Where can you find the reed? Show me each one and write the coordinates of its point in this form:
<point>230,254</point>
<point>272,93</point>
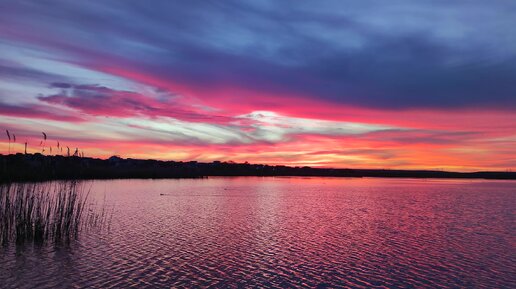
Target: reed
<point>9,137</point>
<point>39,212</point>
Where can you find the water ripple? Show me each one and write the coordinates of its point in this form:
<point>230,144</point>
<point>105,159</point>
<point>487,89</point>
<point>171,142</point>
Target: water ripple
<point>285,233</point>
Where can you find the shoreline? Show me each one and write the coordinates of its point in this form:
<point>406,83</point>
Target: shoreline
<point>38,167</point>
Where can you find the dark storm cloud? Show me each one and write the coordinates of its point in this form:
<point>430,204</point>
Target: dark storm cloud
<point>383,54</point>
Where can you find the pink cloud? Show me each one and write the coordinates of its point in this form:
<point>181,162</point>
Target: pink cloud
<point>39,112</point>
<point>99,100</point>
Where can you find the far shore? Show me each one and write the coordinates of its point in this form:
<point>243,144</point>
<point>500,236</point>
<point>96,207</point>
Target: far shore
<point>38,167</point>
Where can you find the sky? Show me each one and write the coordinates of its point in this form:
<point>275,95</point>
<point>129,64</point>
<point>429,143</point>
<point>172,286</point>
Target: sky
<point>346,84</point>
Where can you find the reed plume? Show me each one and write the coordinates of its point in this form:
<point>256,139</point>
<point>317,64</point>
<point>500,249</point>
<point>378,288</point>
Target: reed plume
<point>9,137</point>
<point>43,142</point>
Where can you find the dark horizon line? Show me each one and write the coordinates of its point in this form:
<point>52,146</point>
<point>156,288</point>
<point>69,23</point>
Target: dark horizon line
<point>254,164</point>
<point>27,167</point>
<point>311,167</point>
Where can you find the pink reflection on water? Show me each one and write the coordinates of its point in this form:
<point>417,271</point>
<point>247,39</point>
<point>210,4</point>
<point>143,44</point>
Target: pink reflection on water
<point>282,232</point>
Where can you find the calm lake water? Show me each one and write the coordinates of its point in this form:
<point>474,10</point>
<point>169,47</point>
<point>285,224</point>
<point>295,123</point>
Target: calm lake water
<point>283,233</point>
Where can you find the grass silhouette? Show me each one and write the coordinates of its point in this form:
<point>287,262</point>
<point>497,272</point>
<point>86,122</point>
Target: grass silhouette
<point>40,212</point>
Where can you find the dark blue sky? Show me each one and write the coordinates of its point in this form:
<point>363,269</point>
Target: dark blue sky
<point>388,54</point>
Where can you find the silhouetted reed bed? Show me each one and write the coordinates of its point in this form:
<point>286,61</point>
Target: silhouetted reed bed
<point>52,211</point>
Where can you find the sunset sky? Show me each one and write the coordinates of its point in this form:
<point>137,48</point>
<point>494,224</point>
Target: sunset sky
<point>359,84</point>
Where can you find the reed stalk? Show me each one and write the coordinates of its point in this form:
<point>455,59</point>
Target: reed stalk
<point>41,212</point>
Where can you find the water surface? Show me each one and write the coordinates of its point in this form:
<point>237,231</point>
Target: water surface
<point>285,232</point>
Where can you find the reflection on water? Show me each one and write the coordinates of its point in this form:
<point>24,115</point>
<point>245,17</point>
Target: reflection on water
<point>285,232</point>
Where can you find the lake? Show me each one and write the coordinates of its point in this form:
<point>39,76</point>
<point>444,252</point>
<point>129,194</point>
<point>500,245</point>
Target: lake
<point>284,233</point>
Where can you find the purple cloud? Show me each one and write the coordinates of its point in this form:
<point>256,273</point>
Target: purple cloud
<point>365,57</point>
